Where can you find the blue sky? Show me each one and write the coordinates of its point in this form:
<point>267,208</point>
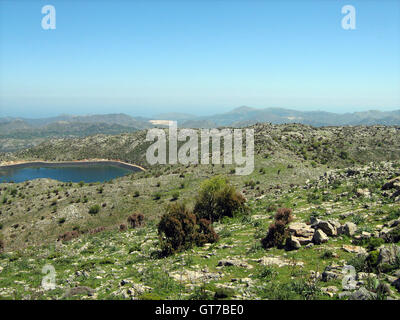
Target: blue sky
<point>199,57</point>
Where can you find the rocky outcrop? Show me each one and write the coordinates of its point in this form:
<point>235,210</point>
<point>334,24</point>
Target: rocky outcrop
<point>389,255</point>
<point>349,229</point>
<point>320,237</point>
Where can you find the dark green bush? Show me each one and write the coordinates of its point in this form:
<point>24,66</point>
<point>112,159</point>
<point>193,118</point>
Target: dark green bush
<point>206,233</point>
<point>217,198</point>
<point>276,236</point>
<point>94,209</point>
<point>179,229</point>
<point>278,231</point>
<point>375,243</point>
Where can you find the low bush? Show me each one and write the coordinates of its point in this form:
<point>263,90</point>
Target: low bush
<point>278,230</point>
<point>67,236</point>
<point>97,230</point>
<point>206,233</point>
<point>136,220</point>
<point>179,229</point>
<point>217,198</point>
<point>94,209</point>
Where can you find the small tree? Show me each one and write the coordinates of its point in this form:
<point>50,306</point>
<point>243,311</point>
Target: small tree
<point>217,198</point>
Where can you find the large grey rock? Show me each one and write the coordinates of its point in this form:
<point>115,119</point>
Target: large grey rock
<point>326,227</point>
<point>80,290</point>
<point>320,237</point>
<point>335,223</point>
<point>349,229</point>
<point>332,272</point>
<point>301,232</point>
<point>389,254</point>
<point>300,229</point>
<point>292,243</point>
<point>363,294</point>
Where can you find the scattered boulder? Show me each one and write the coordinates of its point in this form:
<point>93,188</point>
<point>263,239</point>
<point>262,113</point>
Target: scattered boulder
<point>300,229</point>
<point>277,261</point>
<point>388,255</point>
<point>81,290</point>
<point>349,229</point>
<point>363,294</point>
<point>354,249</point>
<point>326,227</point>
<point>292,243</point>
<point>320,237</point>
<point>301,233</point>
<point>332,272</point>
<point>363,193</point>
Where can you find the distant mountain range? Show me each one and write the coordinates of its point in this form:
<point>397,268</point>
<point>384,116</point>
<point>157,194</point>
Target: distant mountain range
<point>244,116</point>
<point>21,133</point>
<point>69,125</point>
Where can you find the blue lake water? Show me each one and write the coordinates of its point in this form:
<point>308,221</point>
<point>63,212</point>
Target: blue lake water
<point>74,173</point>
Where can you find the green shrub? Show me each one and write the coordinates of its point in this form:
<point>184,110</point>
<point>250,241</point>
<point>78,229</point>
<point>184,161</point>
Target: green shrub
<point>278,231</point>
<point>217,199</point>
<point>94,209</point>
<point>205,233</point>
<point>374,243</point>
<point>1,245</point>
<point>179,229</point>
<point>276,236</point>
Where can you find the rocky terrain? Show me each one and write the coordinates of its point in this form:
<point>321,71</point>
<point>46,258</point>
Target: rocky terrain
<point>342,184</point>
<point>22,133</point>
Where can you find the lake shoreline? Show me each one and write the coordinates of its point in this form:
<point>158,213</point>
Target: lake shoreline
<point>88,162</point>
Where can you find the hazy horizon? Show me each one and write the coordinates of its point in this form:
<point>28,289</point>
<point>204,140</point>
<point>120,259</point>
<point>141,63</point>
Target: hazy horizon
<point>152,115</point>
